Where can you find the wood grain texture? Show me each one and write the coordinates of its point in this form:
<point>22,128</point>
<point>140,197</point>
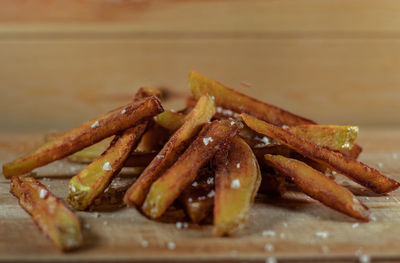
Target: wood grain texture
<point>118,236</point>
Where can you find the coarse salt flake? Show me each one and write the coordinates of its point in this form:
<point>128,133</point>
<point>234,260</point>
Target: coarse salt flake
<point>211,194</point>
<point>269,247</point>
<point>235,184</point>
<point>322,234</point>
<point>123,111</point>
<point>42,193</point>
<point>179,225</point>
<point>238,165</point>
<point>355,225</point>
<point>160,156</point>
<point>144,243</point>
<point>207,140</point>
<point>95,124</point>
<point>210,180</point>
<point>171,245</point>
<point>107,166</point>
<point>270,260</point>
<point>268,233</point>
<point>364,258</point>
<point>194,184</point>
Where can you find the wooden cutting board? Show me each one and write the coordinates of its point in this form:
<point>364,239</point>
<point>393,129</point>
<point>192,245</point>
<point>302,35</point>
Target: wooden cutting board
<point>304,229</point>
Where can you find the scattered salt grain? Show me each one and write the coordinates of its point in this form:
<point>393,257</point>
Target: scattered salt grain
<point>179,225</point>
<point>395,156</point>
<point>210,180</point>
<point>282,235</point>
<point>322,234</point>
<point>269,247</point>
<point>232,123</point>
<point>270,260</point>
<point>364,258</point>
<point>190,200</point>
<point>285,126</point>
<point>105,223</point>
<point>87,226</point>
<point>372,217</point>
<point>42,193</point>
<point>355,225</point>
<point>194,184</point>
<point>123,111</point>
<point>171,245</point>
<point>235,184</point>
<point>211,194</point>
<point>245,84</point>
<point>73,189</point>
<point>380,165</point>
<point>185,224</point>
<point>107,166</point>
<point>144,243</point>
<point>285,225</point>
<point>160,156</point>
<point>268,233</point>
<point>238,165</point>
<point>207,140</point>
<point>201,198</point>
<point>95,124</point>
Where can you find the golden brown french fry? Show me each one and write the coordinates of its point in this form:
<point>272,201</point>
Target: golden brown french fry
<point>171,151</point>
<point>333,137</point>
<point>145,92</point>
<point>170,120</point>
<point>238,178</point>
<point>91,153</point>
<point>49,213</point>
<point>353,153</point>
<point>198,198</point>
<point>319,187</point>
<point>183,172</point>
<point>87,185</point>
<point>85,135</point>
<point>357,171</point>
<point>153,139</point>
<point>233,100</point>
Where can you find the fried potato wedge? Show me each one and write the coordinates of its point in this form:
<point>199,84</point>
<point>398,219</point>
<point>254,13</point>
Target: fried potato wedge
<point>91,182</point>
<point>201,114</point>
<point>319,187</point>
<point>237,179</point>
<point>170,120</point>
<point>91,153</point>
<point>198,198</point>
<point>333,137</point>
<point>85,135</point>
<point>170,185</point>
<point>233,100</point>
<point>48,212</point>
<point>357,171</point>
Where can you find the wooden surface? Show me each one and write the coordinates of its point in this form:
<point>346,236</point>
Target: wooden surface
<point>333,61</point>
<point>118,235</point>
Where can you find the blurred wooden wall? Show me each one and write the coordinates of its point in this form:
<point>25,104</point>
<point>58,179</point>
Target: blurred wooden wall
<point>64,61</point>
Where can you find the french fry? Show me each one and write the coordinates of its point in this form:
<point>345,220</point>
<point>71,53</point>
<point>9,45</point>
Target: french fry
<point>198,198</point>
<point>170,185</point>
<point>233,100</point>
<point>146,92</point>
<point>170,120</point>
<point>237,179</point>
<point>85,135</point>
<point>153,139</point>
<point>87,185</point>
<point>333,137</point>
<point>201,113</point>
<point>139,159</point>
<point>319,187</point>
<point>353,153</point>
<point>357,171</point>
<point>272,184</point>
<point>49,213</point>
<point>91,153</point>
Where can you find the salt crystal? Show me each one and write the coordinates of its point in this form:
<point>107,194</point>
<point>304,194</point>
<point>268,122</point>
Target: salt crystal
<point>232,123</point>
<point>282,235</point>
<point>105,223</point>
<point>268,233</point>
<point>42,193</point>
<point>87,226</point>
<point>210,180</point>
<point>334,173</point>
<point>380,165</point>
<point>160,156</point>
<point>213,98</point>
<point>364,258</point>
<point>195,205</point>
<point>211,194</point>
<point>95,124</point>
<point>201,198</point>
<point>395,156</point>
<point>285,225</point>
<point>73,189</point>
<point>190,200</point>
<point>235,184</point>
<point>194,184</point>
<point>206,141</point>
<point>144,243</point>
<point>123,111</point>
<point>285,126</point>
<point>238,165</point>
<point>269,247</point>
<point>270,260</point>
<point>372,217</point>
<point>185,224</point>
<point>322,234</point>
<point>107,166</point>
<point>171,245</point>
<point>179,225</point>
<point>355,225</point>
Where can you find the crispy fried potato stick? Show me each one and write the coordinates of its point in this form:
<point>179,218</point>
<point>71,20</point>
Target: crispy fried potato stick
<point>357,171</point>
<point>237,179</point>
<point>333,137</point>
<point>91,153</point>
<point>171,151</point>
<point>183,172</point>
<point>233,100</point>
<point>85,135</point>
<point>145,92</point>
<point>319,187</point>
<point>353,153</point>
<point>87,185</point>
<point>49,213</point>
<point>198,198</point>
<point>153,139</point>
<point>170,120</point>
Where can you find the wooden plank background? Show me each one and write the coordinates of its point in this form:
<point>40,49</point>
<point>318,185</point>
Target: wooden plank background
<point>62,62</point>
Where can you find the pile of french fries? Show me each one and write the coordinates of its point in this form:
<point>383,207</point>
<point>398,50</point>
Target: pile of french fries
<point>211,159</point>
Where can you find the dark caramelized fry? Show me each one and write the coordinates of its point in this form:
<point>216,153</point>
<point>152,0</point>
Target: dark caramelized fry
<point>183,172</point>
<point>49,213</point>
<point>357,171</point>
<point>85,135</point>
<point>319,187</point>
<point>86,186</point>
<point>171,151</point>
<point>233,100</point>
<point>238,178</point>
